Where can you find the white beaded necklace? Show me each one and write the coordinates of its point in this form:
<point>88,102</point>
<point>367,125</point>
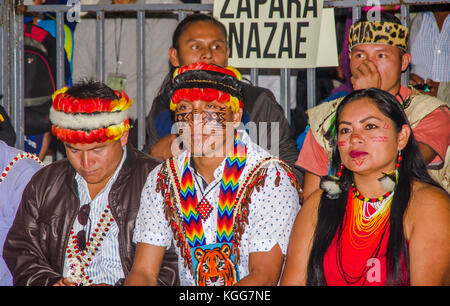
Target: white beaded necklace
<point>16,159</point>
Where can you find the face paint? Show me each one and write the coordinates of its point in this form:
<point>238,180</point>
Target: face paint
<point>379,138</point>
<point>203,126</point>
<point>386,126</point>
<point>341,143</point>
<point>355,135</point>
<point>183,117</point>
<point>215,119</point>
<point>359,162</point>
<point>182,122</point>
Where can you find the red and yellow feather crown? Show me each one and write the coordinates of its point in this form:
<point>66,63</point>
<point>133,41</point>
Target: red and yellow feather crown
<point>207,82</point>
<point>77,120</point>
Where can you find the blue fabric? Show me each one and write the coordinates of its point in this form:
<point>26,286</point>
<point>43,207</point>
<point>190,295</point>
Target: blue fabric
<point>163,123</point>
<point>33,143</point>
<point>301,138</point>
<point>336,95</point>
<point>11,189</point>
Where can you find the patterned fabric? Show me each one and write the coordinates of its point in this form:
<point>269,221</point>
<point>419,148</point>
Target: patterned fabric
<point>234,165</point>
<point>106,267</point>
<point>192,220</point>
<point>271,212</point>
<point>387,33</point>
<point>192,216</point>
<point>430,49</point>
<point>194,212</point>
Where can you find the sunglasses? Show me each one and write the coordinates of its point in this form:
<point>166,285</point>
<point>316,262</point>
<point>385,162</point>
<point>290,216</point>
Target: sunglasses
<point>83,218</point>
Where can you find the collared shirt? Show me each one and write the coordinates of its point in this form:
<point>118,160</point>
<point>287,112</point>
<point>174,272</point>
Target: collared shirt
<point>272,212</point>
<point>106,267</point>
<point>430,49</point>
<point>11,190</point>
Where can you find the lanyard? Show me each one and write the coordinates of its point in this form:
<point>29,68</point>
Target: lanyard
<point>117,42</point>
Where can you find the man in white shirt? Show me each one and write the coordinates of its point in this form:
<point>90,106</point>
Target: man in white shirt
<point>429,48</point>
<point>228,205</point>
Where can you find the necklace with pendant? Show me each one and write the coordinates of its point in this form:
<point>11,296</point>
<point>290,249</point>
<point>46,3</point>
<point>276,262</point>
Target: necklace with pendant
<point>204,208</point>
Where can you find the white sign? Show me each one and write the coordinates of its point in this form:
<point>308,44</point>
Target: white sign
<point>271,33</point>
<point>327,55</point>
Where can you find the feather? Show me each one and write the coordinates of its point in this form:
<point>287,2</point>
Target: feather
<point>388,180</point>
<point>331,188</point>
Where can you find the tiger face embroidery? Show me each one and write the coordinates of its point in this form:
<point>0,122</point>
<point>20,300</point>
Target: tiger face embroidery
<point>215,267</point>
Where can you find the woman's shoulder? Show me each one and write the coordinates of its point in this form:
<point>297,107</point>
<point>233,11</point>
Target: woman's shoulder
<point>429,207</point>
<point>426,194</point>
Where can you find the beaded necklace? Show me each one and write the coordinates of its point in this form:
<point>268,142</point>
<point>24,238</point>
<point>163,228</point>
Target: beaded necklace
<point>15,160</point>
<point>80,259</point>
<point>371,206</point>
<point>234,165</point>
<point>193,212</point>
<point>367,220</point>
<point>168,184</point>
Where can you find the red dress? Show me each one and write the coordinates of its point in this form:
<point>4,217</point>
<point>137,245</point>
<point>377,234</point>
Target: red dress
<point>358,257</point>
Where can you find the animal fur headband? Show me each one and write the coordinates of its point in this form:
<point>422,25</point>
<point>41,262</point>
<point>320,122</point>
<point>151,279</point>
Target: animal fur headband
<point>206,82</point>
<point>89,120</point>
<point>386,33</point>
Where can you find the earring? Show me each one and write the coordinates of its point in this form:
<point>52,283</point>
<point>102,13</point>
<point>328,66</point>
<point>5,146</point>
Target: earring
<point>390,179</point>
<point>399,159</point>
<point>331,184</point>
<point>339,173</point>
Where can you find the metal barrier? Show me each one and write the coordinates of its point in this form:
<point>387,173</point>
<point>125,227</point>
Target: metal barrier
<point>12,44</point>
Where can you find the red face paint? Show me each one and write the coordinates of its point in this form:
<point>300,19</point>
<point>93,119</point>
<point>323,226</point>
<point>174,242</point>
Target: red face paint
<point>386,126</point>
<point>341,143</point>
<point>359,162</point>
<point>355,135</point>
<point>379,138</point>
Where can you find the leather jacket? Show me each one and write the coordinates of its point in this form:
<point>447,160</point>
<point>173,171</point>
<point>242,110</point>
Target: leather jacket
<point>36,243</point>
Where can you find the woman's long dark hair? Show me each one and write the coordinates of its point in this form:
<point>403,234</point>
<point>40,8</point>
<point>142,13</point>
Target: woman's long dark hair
<point>331,212</point>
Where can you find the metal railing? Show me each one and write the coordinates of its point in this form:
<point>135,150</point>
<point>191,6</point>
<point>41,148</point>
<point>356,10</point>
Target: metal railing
<point>12,54</point>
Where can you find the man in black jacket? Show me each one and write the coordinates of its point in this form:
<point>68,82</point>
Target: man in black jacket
<point>76,219</point>
<point>201,38</point>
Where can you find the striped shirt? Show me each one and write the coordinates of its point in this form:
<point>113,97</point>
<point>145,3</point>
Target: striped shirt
<point>106,267</point>
<point>430,49</point>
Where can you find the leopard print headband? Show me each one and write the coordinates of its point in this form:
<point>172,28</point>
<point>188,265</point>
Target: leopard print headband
<point>387,33</point>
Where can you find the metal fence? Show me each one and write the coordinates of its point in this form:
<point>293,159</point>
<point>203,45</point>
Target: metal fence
<point>12,50</point>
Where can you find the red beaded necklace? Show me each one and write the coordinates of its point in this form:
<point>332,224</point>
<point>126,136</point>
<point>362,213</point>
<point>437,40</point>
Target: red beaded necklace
<point>80,259</point>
